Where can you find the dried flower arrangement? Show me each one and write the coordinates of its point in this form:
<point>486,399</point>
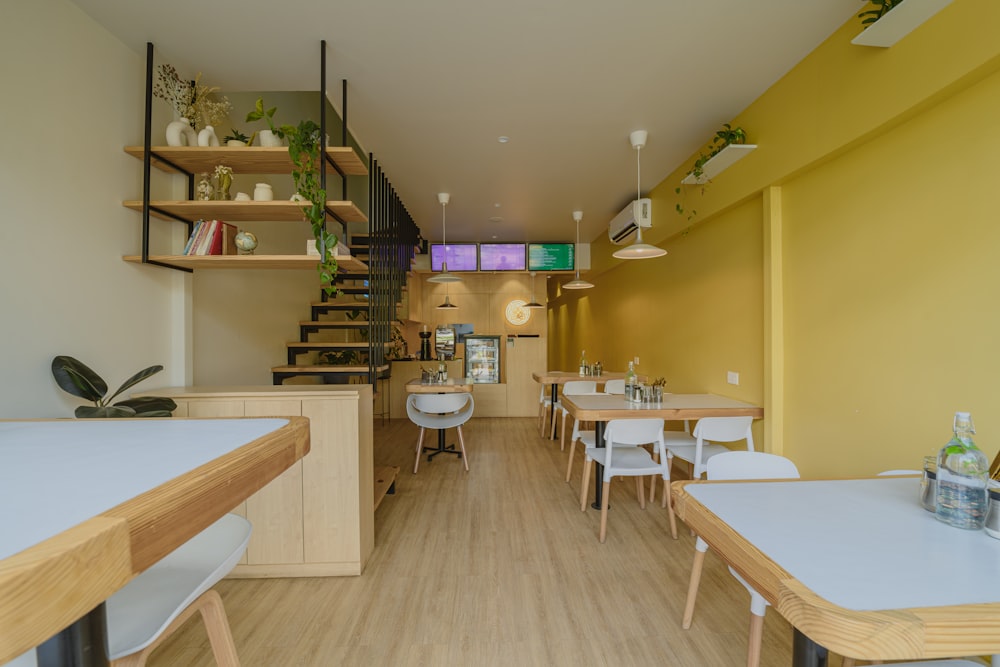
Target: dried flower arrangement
<point>191,99</point>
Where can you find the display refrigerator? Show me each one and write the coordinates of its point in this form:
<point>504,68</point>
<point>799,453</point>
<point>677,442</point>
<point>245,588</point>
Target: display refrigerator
<point>482,359</point>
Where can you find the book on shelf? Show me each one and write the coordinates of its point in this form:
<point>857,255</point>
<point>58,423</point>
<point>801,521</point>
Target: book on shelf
<point>195,230</point>
<point>211,237</point>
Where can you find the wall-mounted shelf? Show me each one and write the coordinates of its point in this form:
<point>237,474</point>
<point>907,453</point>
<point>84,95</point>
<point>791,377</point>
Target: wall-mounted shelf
<point>243,211</point>
<point>721,161</point>
<point>899,22</point>
<point>245,160</point>
<point>248,261</point>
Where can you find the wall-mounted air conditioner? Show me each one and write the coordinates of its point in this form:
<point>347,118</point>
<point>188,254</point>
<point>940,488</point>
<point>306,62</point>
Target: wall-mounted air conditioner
<point>639,212</point>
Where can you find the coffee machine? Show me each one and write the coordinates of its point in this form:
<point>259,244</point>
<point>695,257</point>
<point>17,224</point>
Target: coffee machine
<point>425,345</point>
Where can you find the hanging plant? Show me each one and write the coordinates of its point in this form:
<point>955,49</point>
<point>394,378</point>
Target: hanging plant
<point>304,146</point>
<point>879,8</point>
<point>728,135</point>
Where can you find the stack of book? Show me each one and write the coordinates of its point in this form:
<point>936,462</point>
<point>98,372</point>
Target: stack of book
<point>211,237</point>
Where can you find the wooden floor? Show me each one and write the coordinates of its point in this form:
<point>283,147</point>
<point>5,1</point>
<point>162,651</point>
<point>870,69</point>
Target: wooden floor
<point>496,566</point>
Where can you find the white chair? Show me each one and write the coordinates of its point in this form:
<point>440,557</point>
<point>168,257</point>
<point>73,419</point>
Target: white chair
<point>159,601</point>
<point>573,388</point>
<point>739,465</point>
<point>440,411</point>
<point>614,387</point>
<point>701,447</point>
<point>622,456</point>
<point>544,403</point>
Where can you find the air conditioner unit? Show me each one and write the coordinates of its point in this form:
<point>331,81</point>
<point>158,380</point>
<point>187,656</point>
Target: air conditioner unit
<point>624,225</point>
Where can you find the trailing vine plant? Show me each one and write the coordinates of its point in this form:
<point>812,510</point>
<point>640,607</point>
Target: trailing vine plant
<point>724,137</point>
<point>305,144</point>
<point>879,9</point>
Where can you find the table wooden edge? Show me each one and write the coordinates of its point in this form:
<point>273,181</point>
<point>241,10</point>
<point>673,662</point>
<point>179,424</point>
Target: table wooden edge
<point>50,585</point>
<point>675,414</point>
<point>418,387</point>
<point>926,632</point>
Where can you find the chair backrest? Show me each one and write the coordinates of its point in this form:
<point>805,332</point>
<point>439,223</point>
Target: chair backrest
<point>439,404</point>
<point>576,387</point>
<point>725,429</point>
<point>440,410</point>
<point>750,465</point>
<point>633,432</point>
<point>614,387</point>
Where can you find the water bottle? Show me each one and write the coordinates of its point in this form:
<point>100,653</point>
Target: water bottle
<point>630,384</point>
<point>583,362</point>
<point>962,474</point>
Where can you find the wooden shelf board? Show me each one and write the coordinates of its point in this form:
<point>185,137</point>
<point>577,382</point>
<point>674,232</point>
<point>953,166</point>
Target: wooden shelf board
<point>331,324</point>
<point>321,345</point>
<point>244,261</point>
<point>354,370</point>
<point>243,211</point>
<point>899,22</point>
<point>248,160</point>
<point>721,161</point>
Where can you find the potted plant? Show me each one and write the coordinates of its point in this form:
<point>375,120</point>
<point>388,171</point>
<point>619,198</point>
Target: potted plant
<point>879,9</point>
<point>237,138</point>
<point>273,135</point>
<point>727,136</point>
<point>76,378</point>
<point>304,147</point>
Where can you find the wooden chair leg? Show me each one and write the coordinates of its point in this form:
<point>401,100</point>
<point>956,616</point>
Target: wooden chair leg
<point>420,450</point>
<point>562,433</point>
<point>585,484</point>
<point>652,482</point>
<point>461,442</point>
<point>640,492</point>
<point>213,614</point>
<point>604,510</point>
<point>668,502</point>
<point>699,561</point>
<point>754,638</point>
<point>569,464</point>
<point>541,418</point>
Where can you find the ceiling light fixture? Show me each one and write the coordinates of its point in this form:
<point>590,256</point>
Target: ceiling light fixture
<point>447,305</point>
<point>444,276</point>
<point>639,250</point>
<point>533,303</point>
<point>503,139</point>
<point>577,283</point>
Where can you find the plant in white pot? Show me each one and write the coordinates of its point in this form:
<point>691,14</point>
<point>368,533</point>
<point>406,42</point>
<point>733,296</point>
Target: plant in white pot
<point>272,136</point>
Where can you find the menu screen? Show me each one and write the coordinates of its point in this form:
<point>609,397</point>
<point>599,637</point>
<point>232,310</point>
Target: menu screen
<point>550,256</point>
<point>501,257</point>
<point>460,256</point>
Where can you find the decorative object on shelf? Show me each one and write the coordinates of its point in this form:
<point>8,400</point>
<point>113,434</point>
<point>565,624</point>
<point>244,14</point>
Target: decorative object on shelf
<point>516,312</point>
<point>304,147</point>
<point>576,283</point>
<point>272,136</point>
<point>241,196</point>
<point>297,197</point>
<point>444,276</point>
<point>638,250</point>
<point>180,133</point>
<point>76,378</point>
<point>727,147</point>
<point>263,192</point>
<point>223,181</point>
<point>246,242</point>
<point>204,190</point>
<point>191,99</point>
<point>885,28</point>
<point>236,139</point>
<point>207,137</point>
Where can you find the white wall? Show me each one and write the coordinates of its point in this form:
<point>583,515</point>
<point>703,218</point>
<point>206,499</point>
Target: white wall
<point>72,99</point>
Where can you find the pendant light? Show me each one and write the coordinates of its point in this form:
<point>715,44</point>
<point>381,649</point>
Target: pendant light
<point>577,283</point>
<point>639,250</point>
<point>533,303</point>
<point>444,276</point>
<point>447,305</point>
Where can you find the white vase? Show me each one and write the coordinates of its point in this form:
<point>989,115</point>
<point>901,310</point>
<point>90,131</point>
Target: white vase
<point>180,133</point>
<point>269,140</point>
<point>207,137</point>
<point>263,192</point>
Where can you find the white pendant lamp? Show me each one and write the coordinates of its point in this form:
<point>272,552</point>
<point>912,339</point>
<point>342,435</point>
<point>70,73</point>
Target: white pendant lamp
<point>533,303</point>
<point>577,283</point>
<point>444,276</point>
<point>639,250</point>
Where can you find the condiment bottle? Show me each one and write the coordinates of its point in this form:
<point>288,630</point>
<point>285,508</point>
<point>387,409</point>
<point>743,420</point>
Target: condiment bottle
<point>630,384</point>
<point>962,473</point>
<point>583,362</point>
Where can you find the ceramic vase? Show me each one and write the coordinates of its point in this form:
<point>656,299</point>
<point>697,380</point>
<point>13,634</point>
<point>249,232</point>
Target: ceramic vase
<point>207,137</point>
<point>180,133</point>
<point>263,192</point>
<point>222,191</point>
<point>269,139</point>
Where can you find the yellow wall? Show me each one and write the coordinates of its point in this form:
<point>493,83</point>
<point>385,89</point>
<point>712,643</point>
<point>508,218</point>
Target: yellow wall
<point>853,251</point>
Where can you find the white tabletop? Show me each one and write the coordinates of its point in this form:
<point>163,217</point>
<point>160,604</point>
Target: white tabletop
<point>861,544</point>
<point>57,474</point>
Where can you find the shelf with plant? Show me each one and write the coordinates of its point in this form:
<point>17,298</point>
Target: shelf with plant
<point>888,21</point>
<point>727,147</point>
<point>244,159</point>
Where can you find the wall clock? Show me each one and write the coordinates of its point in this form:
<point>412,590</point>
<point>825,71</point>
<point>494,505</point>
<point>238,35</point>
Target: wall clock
<point>516,313</point>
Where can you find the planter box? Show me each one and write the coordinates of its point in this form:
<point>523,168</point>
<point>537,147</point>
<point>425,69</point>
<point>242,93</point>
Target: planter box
<point>899,22</point>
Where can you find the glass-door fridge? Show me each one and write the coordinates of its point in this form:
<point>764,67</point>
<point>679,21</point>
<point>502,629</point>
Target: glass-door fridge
<point>482,359</point>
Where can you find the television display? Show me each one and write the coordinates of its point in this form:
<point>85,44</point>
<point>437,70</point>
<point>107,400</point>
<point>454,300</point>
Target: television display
<point>460,256</point>
<point>501,257</point>
<point>550,256</point>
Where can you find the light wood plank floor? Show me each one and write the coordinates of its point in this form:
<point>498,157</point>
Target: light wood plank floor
<point>496,566</point>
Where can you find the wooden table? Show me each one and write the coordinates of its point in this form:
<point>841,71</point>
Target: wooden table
<point>556,378</point>
<point>856,566</point>
<point>449,386</point>
<point>601,408</point>
<point>89,504</point>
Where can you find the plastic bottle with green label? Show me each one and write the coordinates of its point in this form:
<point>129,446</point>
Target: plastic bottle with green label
<point>962,474</point>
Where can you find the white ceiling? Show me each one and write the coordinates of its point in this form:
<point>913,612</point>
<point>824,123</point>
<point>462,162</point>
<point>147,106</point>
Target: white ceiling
<point>432,84</point>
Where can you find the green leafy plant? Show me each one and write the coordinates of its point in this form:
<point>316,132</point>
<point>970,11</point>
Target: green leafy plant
<point>726,136</point>
<point>78,379</point>
<point>879,8</point>
<point>304,146</point>
<point>236,135</point>
<point>259,113</point>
